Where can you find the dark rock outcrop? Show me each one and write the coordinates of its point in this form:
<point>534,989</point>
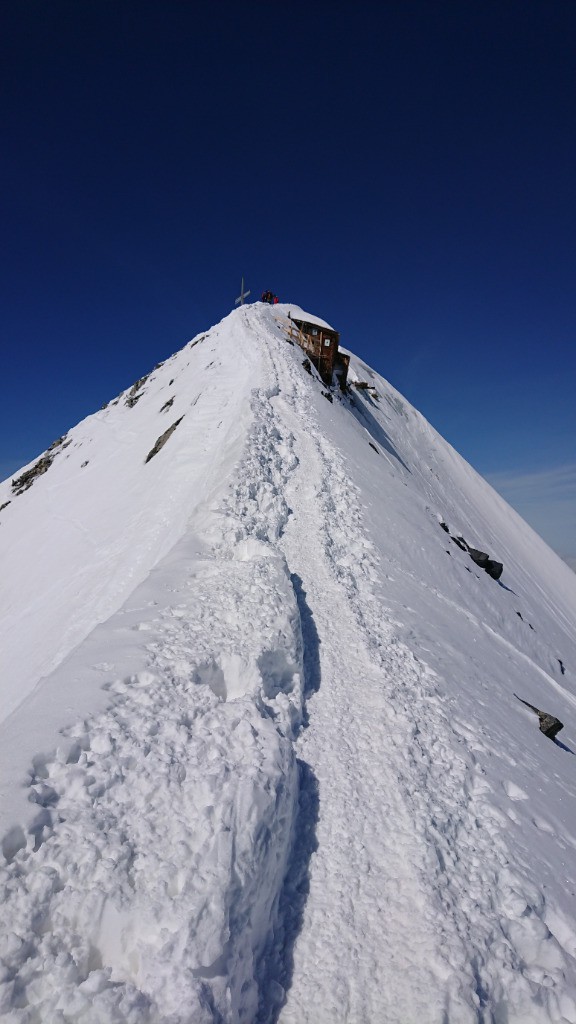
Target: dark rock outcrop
<point>133,394</point>
<point>23,482</point>
<point>162,440</point>
<point>480,558</point>
<point>549,725</point>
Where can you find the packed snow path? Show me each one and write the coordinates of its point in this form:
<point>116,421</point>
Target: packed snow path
<point>291,807</point>
<point>406,803</point>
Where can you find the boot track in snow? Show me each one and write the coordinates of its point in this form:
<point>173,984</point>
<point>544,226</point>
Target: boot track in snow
<point>281,816</point>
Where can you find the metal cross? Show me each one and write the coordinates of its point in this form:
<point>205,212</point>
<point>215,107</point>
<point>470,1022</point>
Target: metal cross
<point>243,295</point>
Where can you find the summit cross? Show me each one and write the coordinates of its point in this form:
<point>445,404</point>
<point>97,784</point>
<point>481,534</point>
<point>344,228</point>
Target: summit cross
<point>243,295</point>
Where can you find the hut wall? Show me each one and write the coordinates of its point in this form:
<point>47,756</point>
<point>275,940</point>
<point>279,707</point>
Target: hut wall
<point>321,344</point>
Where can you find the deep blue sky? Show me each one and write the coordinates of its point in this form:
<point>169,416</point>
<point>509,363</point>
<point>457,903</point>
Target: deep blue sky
<point>406,170</point>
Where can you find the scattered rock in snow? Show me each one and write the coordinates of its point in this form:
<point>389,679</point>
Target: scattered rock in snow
<point>162,440</point>
<point>84,463</point>
<point>549,725</point>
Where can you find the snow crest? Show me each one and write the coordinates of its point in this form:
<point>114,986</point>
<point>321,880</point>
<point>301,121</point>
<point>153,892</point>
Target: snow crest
<point>295,786</point>
<point>149,882</point>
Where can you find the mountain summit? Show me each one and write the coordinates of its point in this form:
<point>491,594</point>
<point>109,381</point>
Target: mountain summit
<point>262,754</point>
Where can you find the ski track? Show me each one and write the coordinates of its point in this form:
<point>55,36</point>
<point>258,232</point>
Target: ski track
<point>181,832</point>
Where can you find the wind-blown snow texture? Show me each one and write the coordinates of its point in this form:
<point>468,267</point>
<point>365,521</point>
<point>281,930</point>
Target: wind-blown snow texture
<point>261,755</point>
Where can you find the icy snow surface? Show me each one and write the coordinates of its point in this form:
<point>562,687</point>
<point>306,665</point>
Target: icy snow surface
<point>261,755</point>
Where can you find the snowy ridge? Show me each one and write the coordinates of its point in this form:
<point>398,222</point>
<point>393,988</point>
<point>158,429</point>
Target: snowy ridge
<point>105,520</point>
<point>284,777</point>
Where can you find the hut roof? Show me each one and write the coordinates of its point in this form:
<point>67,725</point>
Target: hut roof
<point>297,313</point>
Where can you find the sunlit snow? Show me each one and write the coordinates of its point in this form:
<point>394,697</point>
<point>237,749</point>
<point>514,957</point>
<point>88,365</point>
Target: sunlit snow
<point>261,755</point>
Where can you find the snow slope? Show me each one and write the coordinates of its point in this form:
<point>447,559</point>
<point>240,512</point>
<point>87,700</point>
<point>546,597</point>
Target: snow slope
<point>261,755</point>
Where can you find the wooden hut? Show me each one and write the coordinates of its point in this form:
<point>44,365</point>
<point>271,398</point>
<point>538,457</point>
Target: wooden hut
<point>321,343</point>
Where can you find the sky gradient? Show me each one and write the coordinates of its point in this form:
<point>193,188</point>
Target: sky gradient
<point>405,170</point>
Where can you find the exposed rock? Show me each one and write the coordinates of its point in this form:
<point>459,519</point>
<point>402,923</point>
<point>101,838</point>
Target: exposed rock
<point>23,482</point>
<point>480,558</point>
<point>374,447</point>
<point>549,725</point>
<point>307,366</point>
<point>327,395</point>
<point>494,568</point>
<point>5,505</point>
<point>162,440</point>
<point>84,463</point>
<point>560,662</point>
<point>167,404</point>
<point>133,395</point>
